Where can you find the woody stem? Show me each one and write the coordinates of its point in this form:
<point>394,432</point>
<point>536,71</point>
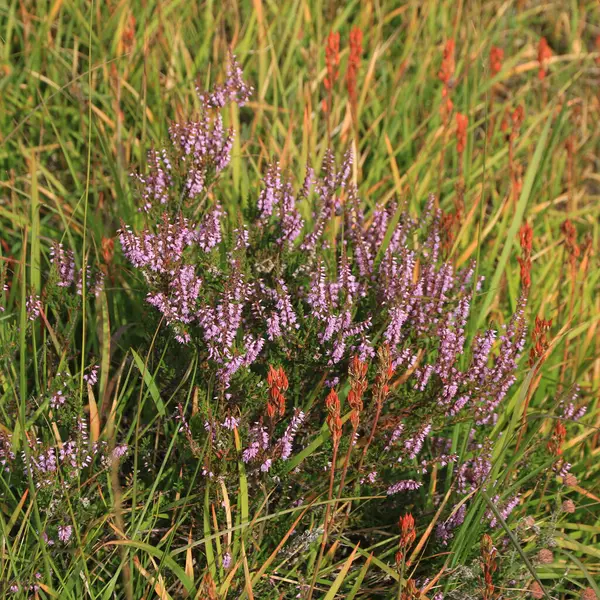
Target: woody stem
<point>326,521</point>
<point>344,472</point>
<point>371,435</point>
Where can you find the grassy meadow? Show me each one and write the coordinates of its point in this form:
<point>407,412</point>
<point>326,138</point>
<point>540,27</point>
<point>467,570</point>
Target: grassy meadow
<point>133,423</point>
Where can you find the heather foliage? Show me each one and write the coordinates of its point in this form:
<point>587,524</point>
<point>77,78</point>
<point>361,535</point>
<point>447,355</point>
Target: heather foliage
<point>309,374</point>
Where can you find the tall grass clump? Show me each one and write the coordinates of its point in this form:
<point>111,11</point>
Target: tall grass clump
<point>247,370</point>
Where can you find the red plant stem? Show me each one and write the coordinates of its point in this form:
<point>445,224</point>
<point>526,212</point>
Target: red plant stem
<point>346,463</point>
<point>371,435</point>
<point>326,521</point>
<point>343,478</point>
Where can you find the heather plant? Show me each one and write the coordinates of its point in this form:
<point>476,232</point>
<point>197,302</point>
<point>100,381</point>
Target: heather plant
<point>267,373</point>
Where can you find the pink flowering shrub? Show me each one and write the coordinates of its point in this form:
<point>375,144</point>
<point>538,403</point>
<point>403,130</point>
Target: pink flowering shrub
<point>308,279</point>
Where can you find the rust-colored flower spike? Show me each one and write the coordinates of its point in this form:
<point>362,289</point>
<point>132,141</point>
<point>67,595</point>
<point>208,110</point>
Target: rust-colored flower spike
<point>526,238</point>
<point>570,234</point>
<point>517,118</point>
<point>278,383</point>
<point>462,122</point>
<point>334,420</point>
<point>445,75</point>
<point>208,587</point>
<point>410,592</point>
<point>544,54</point>
<point>384,374</point>
<point>108,249</point>
<point>332,62</point>
<point>489,565</point>
<point>408,534</point>
<point>555,443</point>
<point>540,342</point>
<point>384,370</point>
<point>358,385</point>
<point>332,59</point>
<point>505,119</point>
<point>356,37</point>
<point>446,71</point>
<point>516,182</point>
<point>128,36</point>
<point>496,58</point>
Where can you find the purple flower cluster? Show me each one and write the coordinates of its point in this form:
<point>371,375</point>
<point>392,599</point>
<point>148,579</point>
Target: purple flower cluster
<point>91,376</point>
<point>157,253</point>
<point>157,183</point>
<point>204,146</point>
<point>442,460</point>
<point>64,533</point>
<point>277,197</point>
<point>63,464</point>
<point>285,444</point>
<point>473,473</point>
<point>64,262</point>
<point>403,486</point>
<point>568,409</point>
<point>260,448</point>
<point>57,400</point>
<point>230,423</point>
<point>413,445</point>
<point>7,456</point>
<point>275,307</point>
<point>396,434</point>
<point>504,509</point>
<point>94,281</point>
<point>329,204</point>
<point>17,588</point>
<point>259,440</point>
<point>444,531</point>
<point>233,89</point>
<point>33,306</point>
<point>296,290</point>
<point>208,234</point>
<point>333,304</point>
<point>501,375</point>
<point>77,453</point>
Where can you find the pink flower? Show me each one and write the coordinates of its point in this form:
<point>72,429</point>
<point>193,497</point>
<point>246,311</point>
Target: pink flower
<point>64,533</point>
